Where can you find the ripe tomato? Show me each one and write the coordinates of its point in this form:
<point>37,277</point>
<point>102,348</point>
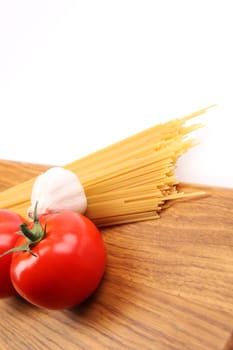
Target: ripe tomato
<point>9,225</point>
<point>64,267</point>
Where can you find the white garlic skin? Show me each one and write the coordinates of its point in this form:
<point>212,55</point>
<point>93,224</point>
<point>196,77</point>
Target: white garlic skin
<point>56,190</point>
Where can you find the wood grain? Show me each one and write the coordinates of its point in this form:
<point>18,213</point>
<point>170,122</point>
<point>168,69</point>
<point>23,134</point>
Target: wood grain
<point>168,285</point>
<point>16,172</point>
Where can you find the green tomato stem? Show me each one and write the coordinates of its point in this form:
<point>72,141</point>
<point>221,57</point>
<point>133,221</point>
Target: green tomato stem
<point>33,236</point>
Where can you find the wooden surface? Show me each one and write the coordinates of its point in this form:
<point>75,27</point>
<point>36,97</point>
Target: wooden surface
<point>168,285</point>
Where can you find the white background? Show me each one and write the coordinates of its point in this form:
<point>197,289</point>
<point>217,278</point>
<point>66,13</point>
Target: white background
<point>79,75</point>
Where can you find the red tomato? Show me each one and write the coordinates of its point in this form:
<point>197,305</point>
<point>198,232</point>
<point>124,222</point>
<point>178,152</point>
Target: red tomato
<point>9,225</point>
<point>65,267</point>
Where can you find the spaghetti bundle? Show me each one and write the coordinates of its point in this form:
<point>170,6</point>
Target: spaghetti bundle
<point>131,180</point>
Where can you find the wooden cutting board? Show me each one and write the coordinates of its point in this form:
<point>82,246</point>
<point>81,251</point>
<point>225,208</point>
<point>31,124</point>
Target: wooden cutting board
<point>168,285</point>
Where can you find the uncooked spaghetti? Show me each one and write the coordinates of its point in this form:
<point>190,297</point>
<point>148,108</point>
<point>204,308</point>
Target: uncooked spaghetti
<point>131,180</point>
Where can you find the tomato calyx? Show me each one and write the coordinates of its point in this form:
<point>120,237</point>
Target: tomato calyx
<point>33,236</point>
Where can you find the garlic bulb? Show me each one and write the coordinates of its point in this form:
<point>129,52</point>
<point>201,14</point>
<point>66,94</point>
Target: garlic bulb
<point>56,190</point>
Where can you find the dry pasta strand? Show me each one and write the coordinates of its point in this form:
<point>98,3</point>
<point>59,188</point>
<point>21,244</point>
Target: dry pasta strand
<point>129,181</point>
